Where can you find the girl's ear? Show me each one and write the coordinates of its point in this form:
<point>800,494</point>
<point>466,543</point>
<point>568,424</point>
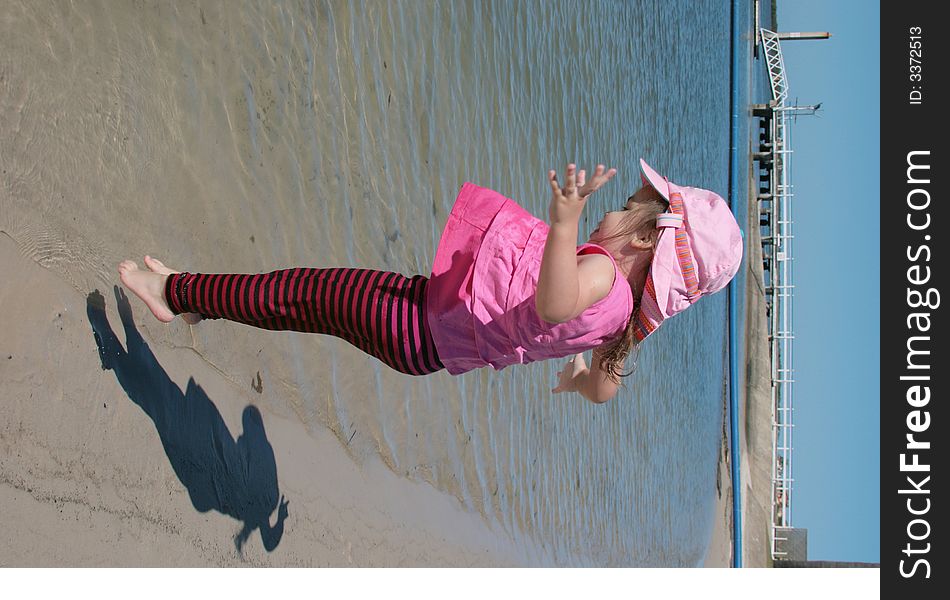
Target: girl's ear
<point>638,242</point>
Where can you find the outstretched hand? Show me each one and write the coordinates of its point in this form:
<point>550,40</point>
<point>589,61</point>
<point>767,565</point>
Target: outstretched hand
<point>568,377</point>
<point>567,203</point>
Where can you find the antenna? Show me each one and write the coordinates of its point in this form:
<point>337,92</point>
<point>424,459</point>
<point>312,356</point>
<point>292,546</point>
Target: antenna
<point>798,110</point>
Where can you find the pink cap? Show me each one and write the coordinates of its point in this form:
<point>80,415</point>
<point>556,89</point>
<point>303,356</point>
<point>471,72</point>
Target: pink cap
<point>698,251</point>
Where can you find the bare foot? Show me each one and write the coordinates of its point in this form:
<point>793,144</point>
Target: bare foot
<point>150,287</point>
<point>157,266</point>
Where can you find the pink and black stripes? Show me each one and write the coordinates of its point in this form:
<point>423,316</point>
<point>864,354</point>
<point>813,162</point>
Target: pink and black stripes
<point>379,312</point>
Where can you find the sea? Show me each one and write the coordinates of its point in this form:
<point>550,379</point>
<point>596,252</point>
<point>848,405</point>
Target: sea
<point>246,136</point>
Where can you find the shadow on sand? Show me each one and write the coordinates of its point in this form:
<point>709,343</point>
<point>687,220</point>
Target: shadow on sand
<point>237,478</point>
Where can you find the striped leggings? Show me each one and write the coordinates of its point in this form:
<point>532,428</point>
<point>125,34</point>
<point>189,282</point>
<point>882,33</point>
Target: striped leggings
<point>381,313</point>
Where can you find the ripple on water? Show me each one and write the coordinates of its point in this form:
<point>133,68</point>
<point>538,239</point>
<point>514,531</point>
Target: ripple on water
<point>244,137</point>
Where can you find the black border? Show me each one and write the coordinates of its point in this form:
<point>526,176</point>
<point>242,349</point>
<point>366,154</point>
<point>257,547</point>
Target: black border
<point>907,127</point>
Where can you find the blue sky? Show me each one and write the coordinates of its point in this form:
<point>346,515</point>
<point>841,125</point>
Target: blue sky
<point>836,441</point>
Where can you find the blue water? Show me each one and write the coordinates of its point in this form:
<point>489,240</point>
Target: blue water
<point>337,134</point>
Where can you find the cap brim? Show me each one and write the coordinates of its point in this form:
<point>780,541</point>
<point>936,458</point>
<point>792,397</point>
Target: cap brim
<point>651,177</point>
<point>654,311</point>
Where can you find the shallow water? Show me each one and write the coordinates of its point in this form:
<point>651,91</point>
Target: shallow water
<point>227,136</point>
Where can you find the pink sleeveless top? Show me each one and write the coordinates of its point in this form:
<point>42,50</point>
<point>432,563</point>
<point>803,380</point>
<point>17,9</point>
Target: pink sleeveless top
<point>480,299</point>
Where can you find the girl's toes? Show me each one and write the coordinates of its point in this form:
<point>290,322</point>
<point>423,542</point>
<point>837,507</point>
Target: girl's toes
<point>157,266</point>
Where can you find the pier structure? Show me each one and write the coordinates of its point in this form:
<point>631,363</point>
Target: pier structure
<point>774,201</point>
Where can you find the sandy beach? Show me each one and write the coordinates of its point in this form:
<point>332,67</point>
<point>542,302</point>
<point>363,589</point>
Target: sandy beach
<point>755,419</point>
<point>719,553</point>
<point>87,482</point>
<point>87,499</point>
<point>247,137</point>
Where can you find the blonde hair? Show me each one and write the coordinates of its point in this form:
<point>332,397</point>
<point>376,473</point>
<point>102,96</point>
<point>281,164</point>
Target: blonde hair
<point>639,223</point>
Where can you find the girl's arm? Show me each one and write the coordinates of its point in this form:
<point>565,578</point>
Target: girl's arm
<point>592,383</point>
<point>565,287</point>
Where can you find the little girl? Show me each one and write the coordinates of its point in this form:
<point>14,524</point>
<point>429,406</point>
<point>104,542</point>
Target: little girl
<point>506,287</point>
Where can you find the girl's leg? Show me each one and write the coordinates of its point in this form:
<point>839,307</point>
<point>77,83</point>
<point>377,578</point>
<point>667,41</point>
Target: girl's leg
<point>381,313</point>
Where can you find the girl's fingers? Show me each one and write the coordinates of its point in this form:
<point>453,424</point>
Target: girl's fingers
<point>599,178</point>
<point>602,178</point>
<point>575,179</point>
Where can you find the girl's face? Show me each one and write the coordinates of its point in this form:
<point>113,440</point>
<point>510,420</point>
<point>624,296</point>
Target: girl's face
<point>611,224</point>
<point>614,230</point>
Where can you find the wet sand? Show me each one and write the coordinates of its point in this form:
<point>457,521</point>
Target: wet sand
<point>87,482</point>
<point>88,499</point>
<point>246,137</point>
<point>212,136</point>
<point>719,553</point>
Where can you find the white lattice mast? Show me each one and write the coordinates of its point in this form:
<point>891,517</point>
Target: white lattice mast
<point>776,66</point>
